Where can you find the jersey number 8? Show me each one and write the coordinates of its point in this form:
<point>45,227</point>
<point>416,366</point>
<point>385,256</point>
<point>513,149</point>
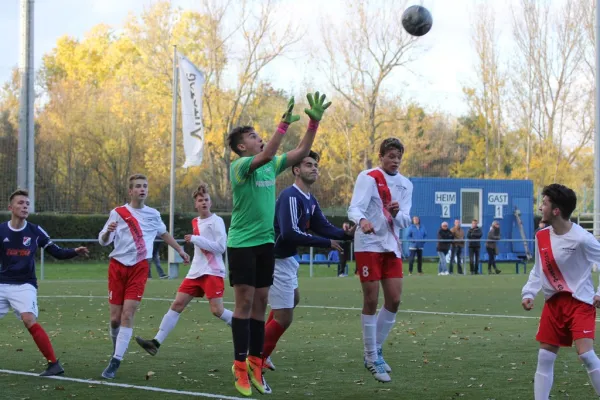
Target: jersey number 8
<point>365,271</point>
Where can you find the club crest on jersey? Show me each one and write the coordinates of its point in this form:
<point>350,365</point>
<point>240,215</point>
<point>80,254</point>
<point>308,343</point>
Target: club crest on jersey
<point>26,241</point>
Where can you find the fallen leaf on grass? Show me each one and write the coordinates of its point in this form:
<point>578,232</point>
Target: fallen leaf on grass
<point>149,374</point>
<point>59,388</point>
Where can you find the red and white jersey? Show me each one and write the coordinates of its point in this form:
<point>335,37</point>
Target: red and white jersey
<point>210,243</point>
<point>563,263</point>
<point>367,203</point>
<point>131,248</point>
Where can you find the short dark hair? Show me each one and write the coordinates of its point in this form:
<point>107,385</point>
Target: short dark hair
<point>311,154</point>
<point>235,137</point>
<point>390,144</point>
<point>18,192</point>
<point>135,177</point>
<point>202,190</point>
<point>561,197</point>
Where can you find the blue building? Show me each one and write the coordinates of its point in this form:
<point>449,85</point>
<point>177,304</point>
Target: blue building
<point>445,199</point>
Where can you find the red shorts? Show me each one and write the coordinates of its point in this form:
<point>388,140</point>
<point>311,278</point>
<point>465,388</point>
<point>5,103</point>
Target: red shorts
<point>126,283</point>
<point>373,266</point>
<point>212,286</point>
<point>565,319</point>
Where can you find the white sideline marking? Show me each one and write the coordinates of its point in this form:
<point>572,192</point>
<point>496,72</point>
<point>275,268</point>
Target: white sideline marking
<point>124,385</point>
<point>454,314</point>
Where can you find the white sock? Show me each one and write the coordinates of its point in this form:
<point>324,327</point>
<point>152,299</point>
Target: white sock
<point>226,316</point>
<point>592,364</point>
<point>385,323</point>
<point>369,328</point>
<point>122,342</point>
<point>166,326</point>
<point>114,332</point>
<point>544,375</point>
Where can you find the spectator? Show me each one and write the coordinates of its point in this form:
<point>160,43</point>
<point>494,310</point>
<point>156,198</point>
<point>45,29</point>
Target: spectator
<point>492,246</point>
<point>416,233</point>
<point>344,257</point>
<point>444,242</point>
<point>541,226</point>
<point>457,246</point>
<point>474,236</point>
<point>156,259</point>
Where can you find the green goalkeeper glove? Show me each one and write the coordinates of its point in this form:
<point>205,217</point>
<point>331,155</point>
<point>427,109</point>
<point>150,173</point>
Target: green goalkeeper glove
<point>288,117</point>
<point>317,108</point>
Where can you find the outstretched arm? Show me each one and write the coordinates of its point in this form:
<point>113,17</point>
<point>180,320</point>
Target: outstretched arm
<point>321,226</point>
<point>287,217</point>
<point>272,146</point>
<point>171,242</point>
<point>315,112</point>
<point>55,250</point>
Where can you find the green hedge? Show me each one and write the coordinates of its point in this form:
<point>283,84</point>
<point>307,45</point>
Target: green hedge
<point>63,226</point>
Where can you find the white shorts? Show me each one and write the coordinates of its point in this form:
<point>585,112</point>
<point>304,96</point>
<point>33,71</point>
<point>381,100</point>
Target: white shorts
<point>21,298</point>
<point>285,281</point>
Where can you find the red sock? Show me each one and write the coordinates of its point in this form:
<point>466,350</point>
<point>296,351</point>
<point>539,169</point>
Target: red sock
<point>41,339</point>
<point>273,332</point>
<point>269,318</point>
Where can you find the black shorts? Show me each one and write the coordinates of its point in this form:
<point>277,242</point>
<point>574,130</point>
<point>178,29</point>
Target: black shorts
<point>252,266</point>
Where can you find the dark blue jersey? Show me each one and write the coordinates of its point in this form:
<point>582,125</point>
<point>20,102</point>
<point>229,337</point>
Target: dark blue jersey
<point>295,214</point>
<point>18,252</point>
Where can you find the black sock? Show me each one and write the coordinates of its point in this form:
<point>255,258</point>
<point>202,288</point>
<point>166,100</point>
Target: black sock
<point>257,337</point>
<point>239,328</point>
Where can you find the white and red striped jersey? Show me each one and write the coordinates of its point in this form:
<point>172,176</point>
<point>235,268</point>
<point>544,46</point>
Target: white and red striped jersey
<point>210,243</point>
<point>563,263</point>
<point>128,250</point>
<point>367,203</point>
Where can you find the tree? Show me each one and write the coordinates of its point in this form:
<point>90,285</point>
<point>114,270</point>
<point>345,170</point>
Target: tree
<point>360,57</point>
<point>552,101</point>
<point>259,40</point>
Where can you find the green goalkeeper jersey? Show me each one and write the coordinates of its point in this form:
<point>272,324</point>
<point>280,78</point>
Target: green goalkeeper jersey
<point>254,198</point>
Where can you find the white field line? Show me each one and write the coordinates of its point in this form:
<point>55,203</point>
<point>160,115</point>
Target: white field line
<point>453,314</point>
<point>125,385</point>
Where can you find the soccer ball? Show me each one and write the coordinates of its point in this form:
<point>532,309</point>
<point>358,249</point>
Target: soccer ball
<point>417,20</point>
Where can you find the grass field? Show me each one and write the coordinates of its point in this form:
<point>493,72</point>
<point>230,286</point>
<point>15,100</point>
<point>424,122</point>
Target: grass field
<point>456,337</point>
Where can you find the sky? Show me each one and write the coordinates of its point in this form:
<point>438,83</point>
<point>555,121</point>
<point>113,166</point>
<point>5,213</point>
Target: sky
<point>435,80</point>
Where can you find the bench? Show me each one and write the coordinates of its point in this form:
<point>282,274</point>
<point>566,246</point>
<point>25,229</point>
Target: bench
<point>318,259</point>
<point>505,258</point>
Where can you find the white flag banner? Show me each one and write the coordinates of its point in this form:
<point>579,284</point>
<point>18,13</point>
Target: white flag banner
<point>191,82</point>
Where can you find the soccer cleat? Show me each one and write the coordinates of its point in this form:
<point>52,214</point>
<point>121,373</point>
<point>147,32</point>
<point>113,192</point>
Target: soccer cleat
<point>376,368</point>
<point>164,277</point>
<point>111,370</point>
<point>267,363</point>
<point>242,384</point>
<point>256,376</point>
<point>54,368</point>
<point>386,367</point>
<point>151,346</point>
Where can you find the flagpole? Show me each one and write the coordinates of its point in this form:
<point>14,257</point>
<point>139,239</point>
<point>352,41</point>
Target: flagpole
<point>173,266</point>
